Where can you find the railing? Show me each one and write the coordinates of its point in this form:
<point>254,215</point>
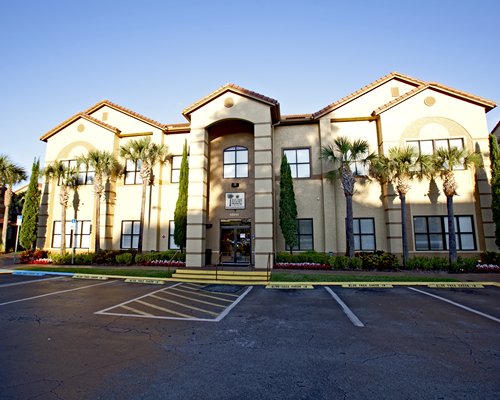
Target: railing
<point>268,268</point>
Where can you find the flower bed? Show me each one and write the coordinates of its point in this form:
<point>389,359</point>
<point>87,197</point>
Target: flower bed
<point>305,265</point>
<point>164,263</point>
<point>487,268</point>
<point>41,261</point>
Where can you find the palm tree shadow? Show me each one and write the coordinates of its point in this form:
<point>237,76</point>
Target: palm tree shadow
<point>433,192</point>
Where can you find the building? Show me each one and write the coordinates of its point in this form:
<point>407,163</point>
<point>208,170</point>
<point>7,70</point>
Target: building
<point>236,139</point>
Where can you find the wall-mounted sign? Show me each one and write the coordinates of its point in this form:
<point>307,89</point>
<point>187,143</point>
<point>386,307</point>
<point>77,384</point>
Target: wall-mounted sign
<point>235,201</point>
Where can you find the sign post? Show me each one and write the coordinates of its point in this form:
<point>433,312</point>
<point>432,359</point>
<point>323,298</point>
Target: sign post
<point>73,231</point>
<point>19,221</point>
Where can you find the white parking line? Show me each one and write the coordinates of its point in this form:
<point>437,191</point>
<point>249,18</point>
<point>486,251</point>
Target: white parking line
<point>355,320</point>
<point>53,293</point>
<point>32,281</point>
<point>457,305</point>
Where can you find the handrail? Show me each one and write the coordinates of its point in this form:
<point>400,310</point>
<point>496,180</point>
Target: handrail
<point>268,269</point>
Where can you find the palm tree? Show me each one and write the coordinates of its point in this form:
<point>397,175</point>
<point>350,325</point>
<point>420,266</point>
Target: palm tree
<point>400,166</point>
<point>445,161</point>
<point>10,174</point>
<point>67,177</point>
<point>147,154</point>
<point>105,166</point>
<point>345,156</point>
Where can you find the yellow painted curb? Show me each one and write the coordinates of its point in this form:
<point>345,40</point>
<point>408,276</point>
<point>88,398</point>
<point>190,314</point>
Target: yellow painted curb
<point>6,271</point>
<point>146,280</point>
<point>289,286</point>
<point>90,276</point>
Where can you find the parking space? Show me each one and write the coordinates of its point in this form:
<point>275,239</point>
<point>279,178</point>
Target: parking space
<point>182,301</point>
<point>72,338</point>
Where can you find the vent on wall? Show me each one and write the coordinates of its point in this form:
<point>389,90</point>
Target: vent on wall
<point>105,116</point>
<point>395,91</point>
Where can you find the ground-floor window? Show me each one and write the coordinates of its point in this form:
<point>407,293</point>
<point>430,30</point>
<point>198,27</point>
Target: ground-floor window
<point>364,234</point>
<point>77,234</point>
<point>171,241</point>
<point>130,235</point>
<point>431,232</point>
<point>305,239</point>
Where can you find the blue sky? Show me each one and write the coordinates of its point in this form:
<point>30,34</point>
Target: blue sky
<point>158,57</point>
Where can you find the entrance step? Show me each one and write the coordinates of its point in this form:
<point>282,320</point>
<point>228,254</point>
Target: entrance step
<point>210,276</point>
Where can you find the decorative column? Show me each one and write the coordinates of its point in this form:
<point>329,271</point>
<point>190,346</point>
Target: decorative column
<point>197,198</point>
<point>263,145</point>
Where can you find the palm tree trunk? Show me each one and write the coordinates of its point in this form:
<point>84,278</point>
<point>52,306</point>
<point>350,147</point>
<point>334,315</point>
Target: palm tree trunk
<point>349,227</point>
<point>63,229</point>
<point>404,237</point>
<point>7,203</point>
<point>143,212</point>
<point>97,237</point>
<point>452,240</point>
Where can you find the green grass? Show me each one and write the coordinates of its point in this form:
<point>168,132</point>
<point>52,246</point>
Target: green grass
<point>149,273</point>
<point>287,277</point>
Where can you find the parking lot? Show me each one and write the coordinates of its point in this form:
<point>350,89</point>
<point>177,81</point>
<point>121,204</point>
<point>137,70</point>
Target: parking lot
<point>65,338</point>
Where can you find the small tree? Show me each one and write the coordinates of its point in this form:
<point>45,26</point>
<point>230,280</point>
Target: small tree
<point>67,178</point>
<point>105,166</point>
<point>31,210</point>
<point>180,214</point>
<point>10,174</point>
<point>288,207</point>
<point>344,156</point>
<point>445,161</point>
<point>495,185</point>
<point>147,154</point>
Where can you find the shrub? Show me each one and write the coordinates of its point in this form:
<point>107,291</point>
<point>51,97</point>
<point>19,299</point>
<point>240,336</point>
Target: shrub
<point>124,258</point>
<point>490,257</point>
<point>29,256</point>
<point>419,263</point>
<point>58,259</point>
<point>463,265</point>
<point>378,260</point>
<point>84,258</point>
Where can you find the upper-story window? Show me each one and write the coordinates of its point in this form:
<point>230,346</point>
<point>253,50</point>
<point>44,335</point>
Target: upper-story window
<point>359,168</point>
<point>84,177</point>
<point>236,162</point>
<point>300,162</point>
<point>430,146</point>
<point>132,172</point>
<point>176,168</point>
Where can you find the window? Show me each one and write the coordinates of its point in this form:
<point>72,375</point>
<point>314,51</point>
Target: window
<point>299,161</point>
<point>431,232</point>
<point>364,234</point>
<point>430,146</point>
<point>130,235</point>
<point>236,162</point>
<point>305,239</point>
<point>132,172</point>
<point>171,242</point>
<point>176,169</point>
<point>79,238</point>
<point>359,168</point>
<point>85,176</point>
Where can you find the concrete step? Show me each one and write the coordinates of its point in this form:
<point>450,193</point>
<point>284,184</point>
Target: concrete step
<point>215,282</point>
<point>249,278</point>
<point>220,272</point>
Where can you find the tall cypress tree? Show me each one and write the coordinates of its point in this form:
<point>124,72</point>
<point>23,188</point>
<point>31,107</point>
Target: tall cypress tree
<point>495,185</point>
<point>288,207</point>
<point>31,209</point>
<point>180,214</point>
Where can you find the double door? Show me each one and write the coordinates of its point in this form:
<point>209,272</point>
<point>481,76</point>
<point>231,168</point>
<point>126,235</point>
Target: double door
<point>236,242</point>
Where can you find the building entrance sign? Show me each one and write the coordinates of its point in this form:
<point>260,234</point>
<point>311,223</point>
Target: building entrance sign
<point>235,201</point>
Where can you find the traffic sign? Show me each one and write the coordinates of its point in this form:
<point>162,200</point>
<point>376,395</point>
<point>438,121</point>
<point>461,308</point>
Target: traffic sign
<point>19,220</point>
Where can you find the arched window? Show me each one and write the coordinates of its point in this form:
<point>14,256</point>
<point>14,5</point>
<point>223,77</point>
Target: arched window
<point>236,162</point>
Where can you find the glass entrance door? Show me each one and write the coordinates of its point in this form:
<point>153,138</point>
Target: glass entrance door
<point>236,242</point>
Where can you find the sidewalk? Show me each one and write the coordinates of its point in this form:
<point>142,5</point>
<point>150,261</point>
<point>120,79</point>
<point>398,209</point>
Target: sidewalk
<point>7,261</point>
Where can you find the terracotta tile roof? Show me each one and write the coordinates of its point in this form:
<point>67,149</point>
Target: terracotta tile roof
<point>232,88</point>
<point>366,89</point>
<point>488,104</point>
<point>75,117</point>
<point>177,128</point>
<point>134,114</point>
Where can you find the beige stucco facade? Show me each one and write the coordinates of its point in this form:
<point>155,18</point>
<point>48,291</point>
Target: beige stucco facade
<point>234,129</point>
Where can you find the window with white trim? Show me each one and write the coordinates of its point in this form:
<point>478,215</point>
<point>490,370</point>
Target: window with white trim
<point>171,241</point>
<point>300,162</point>
<point>129,238</point>
<point>78,238</point>
<point>85,176</point>
<point>236,162</point>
